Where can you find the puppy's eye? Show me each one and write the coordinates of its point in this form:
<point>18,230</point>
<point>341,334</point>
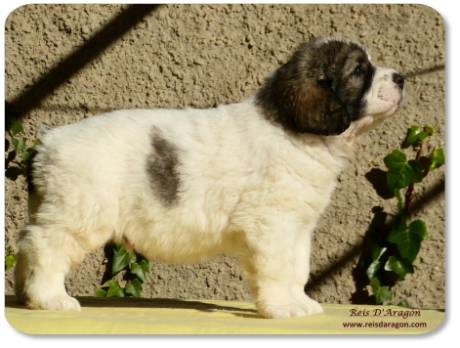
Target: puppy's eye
<point>358,71</point>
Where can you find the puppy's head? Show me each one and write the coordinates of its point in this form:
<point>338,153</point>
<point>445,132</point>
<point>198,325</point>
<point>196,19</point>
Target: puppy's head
<point>328,84</point>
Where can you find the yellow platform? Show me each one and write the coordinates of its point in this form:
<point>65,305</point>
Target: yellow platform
<point>167,316</point>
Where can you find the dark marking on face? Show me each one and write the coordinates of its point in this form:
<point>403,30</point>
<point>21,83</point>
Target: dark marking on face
<point>162,168</point>
<point>320,90</point>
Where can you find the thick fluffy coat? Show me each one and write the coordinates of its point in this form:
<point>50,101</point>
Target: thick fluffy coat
<point>249,179</point>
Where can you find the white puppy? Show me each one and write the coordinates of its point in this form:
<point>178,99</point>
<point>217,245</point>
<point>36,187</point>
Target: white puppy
<point>249,179</point>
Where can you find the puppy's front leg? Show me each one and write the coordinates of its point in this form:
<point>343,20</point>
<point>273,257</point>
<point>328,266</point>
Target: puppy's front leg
<point>302,271</point>
<point>268,259</point>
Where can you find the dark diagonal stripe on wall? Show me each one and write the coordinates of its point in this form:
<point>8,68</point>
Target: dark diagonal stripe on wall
<point>81,57</point>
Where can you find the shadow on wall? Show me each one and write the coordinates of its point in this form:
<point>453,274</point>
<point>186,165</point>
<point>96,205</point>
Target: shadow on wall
<point>410,75</point>
<point>93,48</point>
<point>380,219</point>
<point>378,225</point>
<point>113,31</point>
<point>81,57</point>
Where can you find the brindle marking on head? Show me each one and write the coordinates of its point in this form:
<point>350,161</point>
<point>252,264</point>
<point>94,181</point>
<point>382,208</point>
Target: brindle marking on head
<point>162,168</point>
<point>316,91</point>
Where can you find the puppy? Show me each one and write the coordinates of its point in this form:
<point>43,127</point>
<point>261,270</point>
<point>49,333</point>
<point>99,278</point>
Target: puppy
<point>249,179</point>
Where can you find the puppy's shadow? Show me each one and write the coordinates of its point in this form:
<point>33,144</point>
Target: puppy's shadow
<point>153,303</point>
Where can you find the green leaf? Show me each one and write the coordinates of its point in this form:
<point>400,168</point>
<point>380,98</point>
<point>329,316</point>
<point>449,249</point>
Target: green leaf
<point>372,269</point>
<point>100,292</point>
<point>114,289</point>
<point>403,303</point>
<point>22,145</point>
<point>400,267</point>
<point>437,159</point>
<point>422,136</point>
<point>16,127</point>
<point>377,243</point>
<point>378,251</point>
<point>133,257</point>
<point>400,172</point>
<point>37,142</point>
<point>26,154</point>
<point>120,259</point>
<point>19,145</point>
<point>419,227</point>
<point>134,288</point>
<point>382,293</point>
<point>402,214</point>
<point>408,238</point>
<point>141,270</point>
<point>395,159</point>
<point>429,129</point>
<point>417,134</point>
<point>413,135</point>
<point>10,260</point>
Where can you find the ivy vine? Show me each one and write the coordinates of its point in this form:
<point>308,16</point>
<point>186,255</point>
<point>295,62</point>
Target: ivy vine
<point>393,251</point>
<point>137,270</point>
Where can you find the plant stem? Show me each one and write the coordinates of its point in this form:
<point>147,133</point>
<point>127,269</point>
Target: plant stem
<point>410,191</point>
<point>130,248</point>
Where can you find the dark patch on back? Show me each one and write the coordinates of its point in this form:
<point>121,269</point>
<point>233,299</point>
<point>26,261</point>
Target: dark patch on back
<point>30,171</point>
<point>162,168</point>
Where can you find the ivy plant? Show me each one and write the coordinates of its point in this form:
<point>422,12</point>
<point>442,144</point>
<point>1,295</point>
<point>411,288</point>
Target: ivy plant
<point>393,251</point>
<point>137,270</point>
<point>15,129</point>
<point>10,259</point>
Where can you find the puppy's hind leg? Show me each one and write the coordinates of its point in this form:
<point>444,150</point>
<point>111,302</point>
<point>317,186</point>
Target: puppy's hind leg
<point>45,256</point>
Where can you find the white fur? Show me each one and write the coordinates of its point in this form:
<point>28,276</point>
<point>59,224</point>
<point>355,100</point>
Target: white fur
<point>247,188</point>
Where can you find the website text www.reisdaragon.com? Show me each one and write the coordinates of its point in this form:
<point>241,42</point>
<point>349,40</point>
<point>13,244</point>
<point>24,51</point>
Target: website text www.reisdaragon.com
<point>385,325</point>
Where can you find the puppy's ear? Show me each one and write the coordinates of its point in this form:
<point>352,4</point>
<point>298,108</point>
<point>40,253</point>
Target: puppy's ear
<point>300,96</point>
<point>318,110</point>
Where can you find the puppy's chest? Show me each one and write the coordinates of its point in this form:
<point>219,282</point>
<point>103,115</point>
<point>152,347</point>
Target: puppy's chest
<point>300,180</point>
<point>310,179</point>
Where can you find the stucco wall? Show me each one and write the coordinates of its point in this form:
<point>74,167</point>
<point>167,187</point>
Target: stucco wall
<point>204,55</point>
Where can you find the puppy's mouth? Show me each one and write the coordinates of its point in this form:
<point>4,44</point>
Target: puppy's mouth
<point>391,95</point>
<point>387,102</point>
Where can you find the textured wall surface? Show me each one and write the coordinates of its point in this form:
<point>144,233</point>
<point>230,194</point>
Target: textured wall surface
<point>57,73</point>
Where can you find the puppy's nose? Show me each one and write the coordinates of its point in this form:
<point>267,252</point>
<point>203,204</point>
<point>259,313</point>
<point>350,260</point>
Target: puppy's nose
<point>399,80</point>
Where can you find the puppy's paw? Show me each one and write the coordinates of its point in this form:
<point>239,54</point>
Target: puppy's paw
<point>313,306</point>
<point>61,302</point>
<point>288,310</point>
